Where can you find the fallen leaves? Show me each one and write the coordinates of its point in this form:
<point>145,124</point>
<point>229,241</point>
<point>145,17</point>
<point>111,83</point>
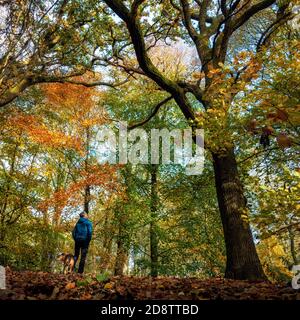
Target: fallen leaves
<point>48,286</point>
<point>70,286</point>
<point>108,286</point>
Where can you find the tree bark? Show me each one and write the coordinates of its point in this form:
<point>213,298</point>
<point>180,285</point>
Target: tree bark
<point>87,189</point>
<point>87,197</point>
<point>153,227</point>
<point>242,259</point>
<point>121,258</point>
<point>292,246</point>
<point>122,245</point>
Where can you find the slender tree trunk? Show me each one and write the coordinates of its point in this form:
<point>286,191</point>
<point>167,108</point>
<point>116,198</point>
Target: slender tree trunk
<point>292,246</point>
<point>87,197</point>
<point>122,245</point>
<point>49,240</point>
<point>153,226</point>
<point>242,259</point>
<point>122,255</point>
<point>2,245</point>
<point>87,190</point>
<point>107,240</point>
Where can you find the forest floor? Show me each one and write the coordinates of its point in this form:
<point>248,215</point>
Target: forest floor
<point>29,285</point>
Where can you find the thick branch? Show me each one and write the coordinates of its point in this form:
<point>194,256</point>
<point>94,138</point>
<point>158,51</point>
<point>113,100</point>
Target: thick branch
<point>137,38</point>
<point>188,19</point>
<point>15,91</point>
<point>254,9</point>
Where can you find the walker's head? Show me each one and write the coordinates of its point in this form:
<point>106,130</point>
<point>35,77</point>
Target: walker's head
<point>83,214</point>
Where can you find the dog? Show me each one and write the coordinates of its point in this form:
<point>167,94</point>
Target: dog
<point>68,262</point>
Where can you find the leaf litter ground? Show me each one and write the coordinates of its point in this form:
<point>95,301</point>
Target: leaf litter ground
<point>28,285</point>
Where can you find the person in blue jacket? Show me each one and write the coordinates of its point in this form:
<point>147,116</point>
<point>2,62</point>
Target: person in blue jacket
<point>82,235</point>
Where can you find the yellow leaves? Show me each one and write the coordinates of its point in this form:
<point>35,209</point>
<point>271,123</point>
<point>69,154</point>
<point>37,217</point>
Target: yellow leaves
<point>297,172</point>
<point>170,61</point>
<point>218,136</point>
<point>56,39</point>
<point>272,254</point>
<point>216,113</point>
<point>198,75</point>
<point>93,13</point>
<point>89,122</point>
<point>214,72</point>
<point>242,55</point>
<point>108,286</point>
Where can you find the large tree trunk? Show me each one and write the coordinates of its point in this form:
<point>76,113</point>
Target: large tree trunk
<point>242,259</point>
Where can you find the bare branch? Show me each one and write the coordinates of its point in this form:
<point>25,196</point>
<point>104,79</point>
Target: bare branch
<point>151,115</point>
<point>83,83</point>
<point>135,5</point>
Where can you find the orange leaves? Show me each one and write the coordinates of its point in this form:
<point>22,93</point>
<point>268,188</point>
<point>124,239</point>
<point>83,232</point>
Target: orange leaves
<point>198,75</point>
<point>268,130</point>
<point>18,122</point>
<point>58,200</point>
<point>282,115</point>
<point>49,138</point>
<point>38,132</point>
<point>248,65</point>
<point>70,286</point>
<point>104,176</point>
<point>214,72</point>
<point>68,96</point>
<point>283,140</point>
<point>86,296</point>
<point>252,126</point>
<point>227,80</point>
<point>243,55</point>
<point>76,103</point>
<point>279,115</point>
<point>75,108</point>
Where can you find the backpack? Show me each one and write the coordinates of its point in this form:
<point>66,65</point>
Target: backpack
<point>80,232</point>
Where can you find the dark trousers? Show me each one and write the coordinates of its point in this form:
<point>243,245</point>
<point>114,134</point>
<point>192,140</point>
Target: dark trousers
<point>81,247</point>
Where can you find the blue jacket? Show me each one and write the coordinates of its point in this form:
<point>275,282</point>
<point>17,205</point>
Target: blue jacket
<point>83,230</point>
